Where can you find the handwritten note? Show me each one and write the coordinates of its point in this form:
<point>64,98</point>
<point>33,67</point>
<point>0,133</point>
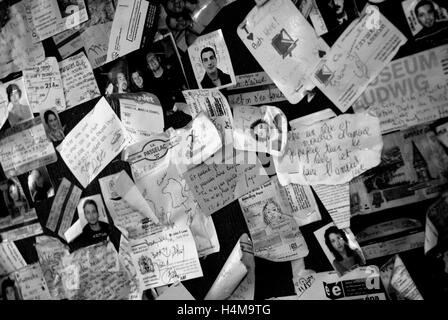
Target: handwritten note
<point>93,143</point>
<point>10,258</point>
<point>78,81</point>
<point>32,284</point>
<point>260,129</point>
<point>356,58</point>
<point>216,185</point>
<point>332,151</point>
<point>284,44</point>
<point>166,257</point>
<point>275,233</point>
<point>43,86</point>
<point>409,91</point>
<point>25,147</point>
<point>52,17</point>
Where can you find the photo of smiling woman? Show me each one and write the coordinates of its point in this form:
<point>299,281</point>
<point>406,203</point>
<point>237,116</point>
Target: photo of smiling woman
<point>345,258</point>
<point>52,125</point>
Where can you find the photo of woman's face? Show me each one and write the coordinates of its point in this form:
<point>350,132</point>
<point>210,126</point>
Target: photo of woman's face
<point>53,122</point>
<point>14,192</point>
<point>337,242</point>
<point>91,214</point>
<point>137,79</point>
<point>10,293</point>
<point>15,97</point>
<point>122,82</point>
<point>426,16</point>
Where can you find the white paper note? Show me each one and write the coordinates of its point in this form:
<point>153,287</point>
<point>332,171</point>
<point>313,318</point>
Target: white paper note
<point>10,258</point>
<point>31,283</point>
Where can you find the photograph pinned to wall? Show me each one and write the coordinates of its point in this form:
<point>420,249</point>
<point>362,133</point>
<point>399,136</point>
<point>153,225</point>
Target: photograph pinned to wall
<point>52,125</point>
<point>426,18</point>
<point>340,247</point>
<point>17,101</point>
<point>9,291</point>
<point>18,49</point>
<point>92,226</point>
<point>40,185</point>
<point>330,15</point>
<point>114,77</point>
<point>17,219</point>
<point>211,62</point>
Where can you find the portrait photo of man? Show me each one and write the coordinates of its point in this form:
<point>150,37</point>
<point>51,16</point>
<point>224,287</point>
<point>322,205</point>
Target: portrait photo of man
<point>213,77</point>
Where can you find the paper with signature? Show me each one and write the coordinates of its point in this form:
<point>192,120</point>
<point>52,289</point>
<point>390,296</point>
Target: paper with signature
<point>25,147</point>
<point>10,258</point>
<point>49,17</point>
<point>128,27</point>
<point>356,58</point>
<point>95,273</point>
<point>397,280</point>
<point>236,280</point>
<point>155,171</point>
<point>50,252</point>
<point>93,143</point>
<point>78,81</point>
<point>409,91</point>
<point>275,233</point>
<point>332,151</point>
<point>141,114</point>
<point>166,257</point>
<point>213,103</point>
<point>215,185</point>
<point>31,283</point>
<point>260,129</point>
<point>18,49</point>
<point>43,86</point>
<point>284,44</point>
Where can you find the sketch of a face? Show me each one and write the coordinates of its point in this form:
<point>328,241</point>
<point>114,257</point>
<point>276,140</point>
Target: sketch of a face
<point>426,15</point>
<point>91,214</point>
<point>122,83</point>
<point>272,214</point>
<point>137,79</point>
<point>209,61</point>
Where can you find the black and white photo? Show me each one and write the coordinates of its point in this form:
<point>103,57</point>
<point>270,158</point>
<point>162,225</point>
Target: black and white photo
<point>19,109</point>
<point>52,125</point>
<point>40,185</point>
<point>332,14</point>
<point>426,18</point>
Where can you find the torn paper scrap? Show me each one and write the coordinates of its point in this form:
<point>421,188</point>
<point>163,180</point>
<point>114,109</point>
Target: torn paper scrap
<point>217,184</point>
<point>436,230</point>
<point>260,129</point>
<point>125,258</point>
<point>176,291</point>
<point>312,118</point>
<point>31,283</point>
<point>284,44</point>
<point>19,47</point>
<point>78,81</point>
<point>213,103</point>
<point>356,58</point>
<point>50,252</point>
<point>25,147</point>
<point>397,280</point>
<point>156,175</point>
<point>129,219</point>
<point>390,237</point>
<point>165,257</point>
<point>362,283</point>
<point>97,139</point>
<point>141,114</point>
<point>246,288</point>
<point>275,233</point>
<point>10,258</point>
<point>50,17</point>
<point>336,199</point>
<point>237,268</point>
<point>331,152</point>
<point>414,167</point>
<point>409,91</point>
<point>43,85</point>
<point>442,134</point>
<point>69,211</point>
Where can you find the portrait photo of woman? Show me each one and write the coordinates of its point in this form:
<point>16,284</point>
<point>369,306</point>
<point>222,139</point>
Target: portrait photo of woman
<point>52,125</point>
<point>345,257</point>
<point>18,110</point>
<point>9,290</point>
<point>16,200</point>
